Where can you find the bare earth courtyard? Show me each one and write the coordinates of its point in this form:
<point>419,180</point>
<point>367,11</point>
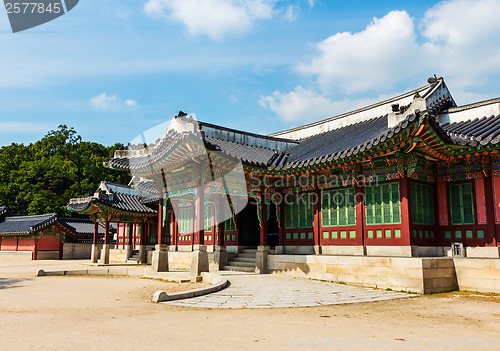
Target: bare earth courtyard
<point>116,313</point>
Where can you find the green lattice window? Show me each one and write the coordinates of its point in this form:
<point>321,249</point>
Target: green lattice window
<point>338,208</point>
<point>299,211</point>
<point>461,204</point>
<point>382,203</point>
<point>209,217</point>
<point>422,203</point>
<point>229,223</point>
<point>185,220</point>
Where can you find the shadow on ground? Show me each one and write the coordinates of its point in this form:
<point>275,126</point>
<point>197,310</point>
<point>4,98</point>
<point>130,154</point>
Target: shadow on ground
<point>6,283</point>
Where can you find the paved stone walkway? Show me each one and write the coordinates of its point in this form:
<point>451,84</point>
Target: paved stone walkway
<point>248,290</point>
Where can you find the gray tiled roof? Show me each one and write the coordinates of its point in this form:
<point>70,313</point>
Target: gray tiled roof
<point>485,130</point>
<point>27,224</point>
<point>252,155</point>
<point>81,226</point>
<point>337,140</point>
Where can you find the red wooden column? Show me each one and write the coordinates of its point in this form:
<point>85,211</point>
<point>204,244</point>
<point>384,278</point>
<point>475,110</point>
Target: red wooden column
<point>263,224</point>
<point>360,213</point>
<point>96,233</point>
<point>130,234</point>
<point>106,233</point>
<point>317,221</point>
<point>35,248</point>
<point>405,210</point>
<point>281,233</point>
<point>160,220</point>
<point>199,221</point>
<point>220,223</point>
<point>490,210</point>
<point>173,231</point>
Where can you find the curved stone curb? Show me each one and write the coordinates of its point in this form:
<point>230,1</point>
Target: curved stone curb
<point>220,283</point>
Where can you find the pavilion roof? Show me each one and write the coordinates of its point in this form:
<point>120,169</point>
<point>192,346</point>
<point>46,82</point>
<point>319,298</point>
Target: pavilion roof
<point>113,198</point>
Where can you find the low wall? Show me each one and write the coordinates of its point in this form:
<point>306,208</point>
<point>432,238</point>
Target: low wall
<point>179,260</point>
<point>15,256</point>
<point>73,251</point>
<point>418,274</point>
<point>422,275</point>
<point>118,255</point>
<point>476,274</point>
<point>47,255</point>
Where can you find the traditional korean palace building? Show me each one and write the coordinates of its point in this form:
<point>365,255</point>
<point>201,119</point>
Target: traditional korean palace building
<point>378,196</point>
<point>44,236</point>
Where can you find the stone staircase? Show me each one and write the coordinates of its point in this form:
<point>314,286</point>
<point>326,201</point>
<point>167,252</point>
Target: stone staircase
<point>134,258</point>
<point>243,262</point>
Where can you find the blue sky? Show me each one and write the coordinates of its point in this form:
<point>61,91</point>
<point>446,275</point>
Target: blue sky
<point>112,69</point>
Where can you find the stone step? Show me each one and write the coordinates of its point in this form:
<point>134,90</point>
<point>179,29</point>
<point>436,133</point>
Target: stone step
<point>246,255</point>
<point>243,259</point>
<point>239,269</point>
<point>242,264</point>
<point>253,251</point>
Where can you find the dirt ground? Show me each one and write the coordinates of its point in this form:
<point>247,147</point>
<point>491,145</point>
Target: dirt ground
<point>110,313</point>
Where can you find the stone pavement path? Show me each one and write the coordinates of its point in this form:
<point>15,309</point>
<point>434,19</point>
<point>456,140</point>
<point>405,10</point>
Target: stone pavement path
<point>248,290</point>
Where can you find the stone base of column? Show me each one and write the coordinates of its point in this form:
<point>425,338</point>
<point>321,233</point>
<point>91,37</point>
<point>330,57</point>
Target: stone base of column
<point>130,250</point>
<point>317,250</point>
<point>261,259</point>
<point>220,257</point>
<point>105,254</point>
<point>94,256</point>
<point>160,259</point>
<point>279,250</point>
<point>142,253</point>
<point>199,260</point>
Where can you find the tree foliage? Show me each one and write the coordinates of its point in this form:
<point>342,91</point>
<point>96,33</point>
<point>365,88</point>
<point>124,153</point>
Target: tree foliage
<point>41,177</point>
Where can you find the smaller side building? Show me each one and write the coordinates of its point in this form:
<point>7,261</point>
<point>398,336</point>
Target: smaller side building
<point>43,237</point>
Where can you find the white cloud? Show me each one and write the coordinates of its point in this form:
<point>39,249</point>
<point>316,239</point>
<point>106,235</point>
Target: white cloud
<point>214,18</point>
<point>462,38</point>
<point>373,59</point>
<point>105,102</point>
<point>131,103</point>
<point>292,13</point>
<point>301,104</point>
<point>457,39</point>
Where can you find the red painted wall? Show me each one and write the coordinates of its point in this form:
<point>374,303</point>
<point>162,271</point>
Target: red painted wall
<point>48,243</point>
<point>27,244</point>
<point>9,244</point>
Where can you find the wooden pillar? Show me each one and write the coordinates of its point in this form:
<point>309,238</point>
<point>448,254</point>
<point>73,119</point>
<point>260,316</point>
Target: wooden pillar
<point>199,221</point>
<point>490,210</point>
<point>173,229</point>
<point>106,232</point>
<point>281,233</point>
<point>360,213</point>
<point>61,248</point>
<point>405,210</point>
<point>96,233</point>
<point>35,249</point>
<point>263,224</point>
<point>317,220</point>
<point>130,227</point>
<point>160,231</point>
<point>220,223</point>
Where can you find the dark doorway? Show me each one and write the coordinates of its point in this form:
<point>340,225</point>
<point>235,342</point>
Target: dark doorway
<point>272,227</point>
<point>248,225</point>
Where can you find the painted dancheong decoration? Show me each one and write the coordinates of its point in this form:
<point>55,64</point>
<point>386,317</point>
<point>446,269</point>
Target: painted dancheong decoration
<point>28,14</point>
